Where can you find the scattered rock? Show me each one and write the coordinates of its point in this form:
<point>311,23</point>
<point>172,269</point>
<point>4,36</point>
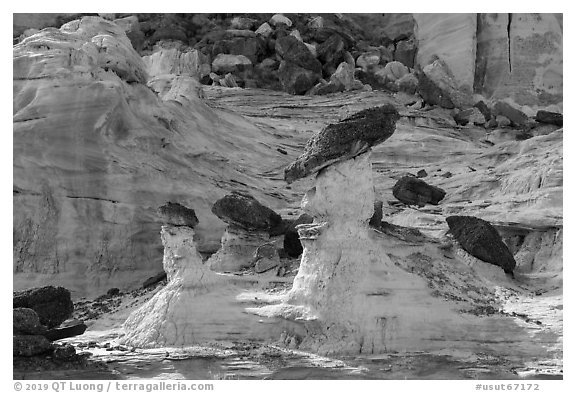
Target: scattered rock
<point>154,279</point>
<point>344,75</point>
<point>245,211</point>
<point>228,81</point>
<point>393,71</point>
<point>405,52</point>
<point>549,118</point>
<point>65,351</point>
<point>368,59</point>
<point>483,108</point>
<point>243,23</point>
<point>178,215</point>
<point>74,329</point>
<point>52,304</point>
<point>224,63</point>
<point>516,116</point>
<point>421,173</point>
<point>408,84</point>
<point>502,121</point>
<point>265,258</point>
<point>113,292</point>
<point>438,87</point>
<point>280,19</point>
<point>376,218</point>
<point>482,240</point>
<point>413,191</point>
<point>294,51</point>
<point>26,322</point>
<point>470,115</point>
<point>264,30</point>
<point>295,79</point>
<point>30,345</point>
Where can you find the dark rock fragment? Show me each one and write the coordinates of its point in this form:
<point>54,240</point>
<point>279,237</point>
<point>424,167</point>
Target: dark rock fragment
<point>52,304</point>
<point>413,191</point>
<point>482,240</point>
<point>178,215</point>
<point>243,210</point>
<point>549,118</point>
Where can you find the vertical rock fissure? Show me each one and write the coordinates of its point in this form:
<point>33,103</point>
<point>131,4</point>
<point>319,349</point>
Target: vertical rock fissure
<point>509,42</point>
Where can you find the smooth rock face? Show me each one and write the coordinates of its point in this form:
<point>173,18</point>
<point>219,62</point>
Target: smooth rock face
<point>53,305</point>
<point>414,191</point>
<point>520,56</point>
<point>265,258</point>
<point>177,214</point>
<point>452,39</point>
<point>26,321</point>
<point>245,211</point>
<point>343,140</point>
<point>30,345</point>
<point>482,240</point>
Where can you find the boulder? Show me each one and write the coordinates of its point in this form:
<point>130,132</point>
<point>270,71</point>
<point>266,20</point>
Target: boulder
<point>421,173</point>
<point>292,245</point>
<point>405,52</point>
<point>516,116</point>
<point>549,118</point>
<point>413,191</point>
<point>224,63</point>
<point>242,23</point>
<point>52,304</point>
<point>75,329</point>
<point>65,351</point>
<point>176,214</point>
<point>344,140</point>
<point>482,240</point>
<point>408,84</point>
<point>344,75</point>
<point>393,71</point>
<point>243,210</point>
<point>483,108</point>
<point>265,258</point>
<point>331,52</point>
<point>295,79</point>
<point>264,30</point>
<point>26,321</point>
<point>279,19</point>
<point>438,87</point>
<point>30,345</point>
<point>470,115</point>
<point>502,121</point>
<point>294,51</point>
<point>154,279</point>
<point>228,81</point>
<point>368,59</point>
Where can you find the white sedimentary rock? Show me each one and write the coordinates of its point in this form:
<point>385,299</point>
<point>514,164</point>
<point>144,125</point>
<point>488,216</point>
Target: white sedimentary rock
<point>173,61</point>
<point>237,250</point>
<point>450,38</point>
<point>196,305</point>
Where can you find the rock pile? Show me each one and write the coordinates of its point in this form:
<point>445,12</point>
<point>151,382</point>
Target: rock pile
<point>36,314</point>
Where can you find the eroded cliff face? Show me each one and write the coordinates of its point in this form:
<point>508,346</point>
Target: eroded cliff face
<point>515,56</point>
<point>98,146</point>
